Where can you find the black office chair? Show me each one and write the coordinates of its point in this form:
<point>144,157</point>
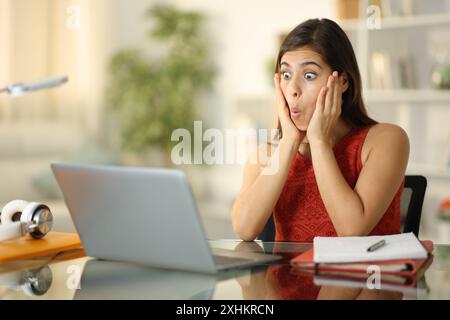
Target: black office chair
<point>410,208</point>
<point>412,199</point>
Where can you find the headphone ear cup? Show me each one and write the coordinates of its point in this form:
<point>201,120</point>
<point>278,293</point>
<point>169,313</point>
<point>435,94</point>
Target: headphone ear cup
<point>11,209</point>
<point>44,220</point>
<point>38,281</point>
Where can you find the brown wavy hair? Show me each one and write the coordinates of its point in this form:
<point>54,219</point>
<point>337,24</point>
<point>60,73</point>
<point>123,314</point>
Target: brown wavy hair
<point>325,37</point>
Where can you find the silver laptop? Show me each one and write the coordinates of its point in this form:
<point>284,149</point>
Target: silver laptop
<point>142,215</point>
<point>137,282</point>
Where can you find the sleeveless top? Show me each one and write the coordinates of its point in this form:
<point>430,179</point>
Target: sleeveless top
<point>300,213</point>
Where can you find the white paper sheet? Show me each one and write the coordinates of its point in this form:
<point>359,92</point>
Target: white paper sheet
<point>354,249</point>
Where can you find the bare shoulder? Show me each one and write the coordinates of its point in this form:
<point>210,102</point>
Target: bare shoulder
<point>385,136</point>
<point>382,131</point>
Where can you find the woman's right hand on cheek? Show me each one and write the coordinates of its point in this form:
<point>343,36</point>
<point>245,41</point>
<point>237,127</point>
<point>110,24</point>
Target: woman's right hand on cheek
<point>290,131</point>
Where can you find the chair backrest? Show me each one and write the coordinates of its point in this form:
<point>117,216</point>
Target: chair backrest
<point>412,202</point>
<point>410,208</point>
<point>268,233</point>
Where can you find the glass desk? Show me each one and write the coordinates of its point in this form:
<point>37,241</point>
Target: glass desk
<point>71,275</point>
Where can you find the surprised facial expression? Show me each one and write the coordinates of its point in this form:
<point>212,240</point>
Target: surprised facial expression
<point>303,73</point>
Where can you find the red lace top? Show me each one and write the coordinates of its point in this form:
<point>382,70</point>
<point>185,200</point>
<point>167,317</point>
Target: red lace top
<point>300,213</point>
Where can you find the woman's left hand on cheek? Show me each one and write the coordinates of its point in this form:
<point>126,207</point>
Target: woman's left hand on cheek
<point>327,112</point>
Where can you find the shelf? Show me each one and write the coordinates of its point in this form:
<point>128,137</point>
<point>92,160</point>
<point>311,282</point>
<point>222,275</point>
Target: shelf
<point>407,95</point>
<point>414,21</point>
<point>388,23</point>
<point>429,170</point>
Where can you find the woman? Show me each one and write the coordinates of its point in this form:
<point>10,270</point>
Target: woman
<point>339,172</point>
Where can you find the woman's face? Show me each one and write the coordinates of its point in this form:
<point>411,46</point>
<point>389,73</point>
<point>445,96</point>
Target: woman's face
<point>303,73</point>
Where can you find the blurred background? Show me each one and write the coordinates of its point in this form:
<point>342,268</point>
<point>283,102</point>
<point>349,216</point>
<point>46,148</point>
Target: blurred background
<point>140,69</point>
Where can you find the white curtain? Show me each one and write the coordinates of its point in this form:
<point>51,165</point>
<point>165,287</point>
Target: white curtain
<point>45,38</point>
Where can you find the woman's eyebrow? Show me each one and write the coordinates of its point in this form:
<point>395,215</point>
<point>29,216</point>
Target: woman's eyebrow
<point>303,64</point>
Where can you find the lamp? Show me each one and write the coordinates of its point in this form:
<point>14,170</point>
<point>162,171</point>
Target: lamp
<point>19,89</point>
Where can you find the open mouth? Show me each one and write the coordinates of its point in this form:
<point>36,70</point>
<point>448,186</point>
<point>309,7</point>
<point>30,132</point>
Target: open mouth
<point>295,114</point>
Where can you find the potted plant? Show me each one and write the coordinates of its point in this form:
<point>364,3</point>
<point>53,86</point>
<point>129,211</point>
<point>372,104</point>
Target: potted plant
<point>151,97</point>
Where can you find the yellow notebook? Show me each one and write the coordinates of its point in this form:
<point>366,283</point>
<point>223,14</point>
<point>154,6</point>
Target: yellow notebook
<point>27,248</point>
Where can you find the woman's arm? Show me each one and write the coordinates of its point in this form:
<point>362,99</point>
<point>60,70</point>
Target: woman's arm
<point>356,212</point>
<point>260,191</point>
<point>264,180</point>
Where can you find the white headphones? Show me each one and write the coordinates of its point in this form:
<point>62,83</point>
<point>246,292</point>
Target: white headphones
<point>20,217</point>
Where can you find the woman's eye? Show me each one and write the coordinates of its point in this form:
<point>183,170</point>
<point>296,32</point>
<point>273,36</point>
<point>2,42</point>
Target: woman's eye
<point>310,76</point>
<point>285,75</point>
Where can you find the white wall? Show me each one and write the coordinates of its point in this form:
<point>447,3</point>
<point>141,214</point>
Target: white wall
<point>244,35</point>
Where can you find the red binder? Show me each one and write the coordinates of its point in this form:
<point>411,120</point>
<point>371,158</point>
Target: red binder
<point>402,267</point>
<point>395,282</point>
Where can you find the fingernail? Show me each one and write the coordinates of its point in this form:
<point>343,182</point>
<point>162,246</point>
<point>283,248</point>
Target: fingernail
<point>335,74</point>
